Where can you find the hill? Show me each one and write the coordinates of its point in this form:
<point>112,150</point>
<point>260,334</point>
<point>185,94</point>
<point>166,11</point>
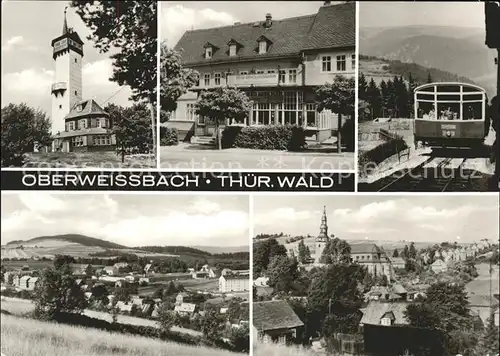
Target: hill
<point>27,337</point>
<point>223,249</point>
<point>70,238</point>
<point>459,50</point>
<point>384,69</point>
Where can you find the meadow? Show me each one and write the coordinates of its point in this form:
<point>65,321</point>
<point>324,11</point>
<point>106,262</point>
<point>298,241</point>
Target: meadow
<point>27,337</point>
<point>262,349</point>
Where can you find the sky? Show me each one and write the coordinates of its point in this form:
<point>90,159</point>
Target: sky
<point>28,27</point>
<point>178,17</point>
<point>128,219</point>
<point>388,218</point>
<point>444,13</point>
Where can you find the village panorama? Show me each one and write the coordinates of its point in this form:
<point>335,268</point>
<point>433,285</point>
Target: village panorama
<point>397,276</point>
<point>148,273</point>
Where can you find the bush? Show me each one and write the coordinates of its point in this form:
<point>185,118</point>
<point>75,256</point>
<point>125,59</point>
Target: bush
<point>378,154</point>
<point>347,133</point>
<point>271,137</point>
<point>168,136</point>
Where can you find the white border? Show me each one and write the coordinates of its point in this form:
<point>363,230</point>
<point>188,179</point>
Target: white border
<point>356,101</point>
<point>158,54</point>
<point>250,245</point>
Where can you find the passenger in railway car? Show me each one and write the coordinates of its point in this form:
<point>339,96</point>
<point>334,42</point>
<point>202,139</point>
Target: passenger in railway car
<point>432,115</point>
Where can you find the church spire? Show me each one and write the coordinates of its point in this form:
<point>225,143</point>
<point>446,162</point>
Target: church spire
<point>65,24</point>
<point>323,229</point>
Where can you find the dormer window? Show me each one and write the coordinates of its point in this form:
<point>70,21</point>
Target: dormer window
<point>232,50</point>
<point>263,44</point>
<point>209,50</point>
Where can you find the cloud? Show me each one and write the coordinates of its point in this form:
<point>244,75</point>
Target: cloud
<point>42,203</point>
<point>205,206</point>
<point>284,216</point>
<point>178,19</point>
<point>33,81</point>
<point>12,42</point>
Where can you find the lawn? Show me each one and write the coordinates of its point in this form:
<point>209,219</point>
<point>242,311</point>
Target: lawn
<point>27,337</point>
<point>105,160</point>
<point>262,349</point>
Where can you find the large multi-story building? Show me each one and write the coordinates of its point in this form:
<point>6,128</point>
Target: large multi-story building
<point>234,283</point>
<point>277,63</point>
<point>76,124</point>
<point>373,258</point>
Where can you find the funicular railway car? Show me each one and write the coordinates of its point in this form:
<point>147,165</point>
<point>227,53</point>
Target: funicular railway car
<point>450,115</point>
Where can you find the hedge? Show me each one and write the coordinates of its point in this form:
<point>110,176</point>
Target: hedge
<point>378,154</point>
<point>347,134</point>
<point>269,137</point>
<point>168,136</point>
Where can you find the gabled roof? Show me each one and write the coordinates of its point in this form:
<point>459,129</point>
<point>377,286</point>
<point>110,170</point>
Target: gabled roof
<point>275,314</point>
<point>85,109</point>
<point>331,27</point>
<point>364,248</point>
<point>185,307</point>
<point>376,311</point>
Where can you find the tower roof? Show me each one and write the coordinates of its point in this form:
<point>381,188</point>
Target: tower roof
<point>86,108</point>
<point>65,24</point>
<point>323,228</point>
<point>68,40</point>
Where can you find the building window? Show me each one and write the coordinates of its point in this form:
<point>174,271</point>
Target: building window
<point>386,321</point>
<point>282,76</point>
<point>83,124</point>
<point>262,47</point>
<point>97,123</point>
<point>208,52</point>
<point>341,63</point>
<point>326,64</point>
<point>292,75</point>
<point>217,78</point>
<point>243,72</point>
<point>311,115</point>
<point>190,112</point>
<point>353,61</point>
<point>60,106</point>
<point>206,79</point>
<point>232,50</point>
<point>76,93</point>
<point>272,71</point>
<point>76,61</point>
<point>259,72</point>
<point>71,125</point>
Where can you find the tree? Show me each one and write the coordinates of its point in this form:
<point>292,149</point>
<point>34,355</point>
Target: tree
<point>211,325</point>
<point>222,105</point>
<point>57,292</point>
<point>63,260</point>
<point>405,252</point>
<point>23,130</point>
<point>166,317</point>
<point>395,253</point>
<point>374,98</point>
<point>263,252</point>
<point>240,338</point>
<point>336,251</point>
<point>339,98</point>
<point>171,289</point>
<point>488,343</point>
<point>175,80</point>
<point>303,252</point>
<point>131,27</point>
<point>131,127</point>
<point>412,252</point>
<point>429,78</point>
<point>100,293</point>
<point>282,272</point>
<point>236,312</point>
<point>362,87</point>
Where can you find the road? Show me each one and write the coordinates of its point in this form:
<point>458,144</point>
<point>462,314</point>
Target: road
<point>182,158</point>
<point>478,290</point>
<point>16,305</point>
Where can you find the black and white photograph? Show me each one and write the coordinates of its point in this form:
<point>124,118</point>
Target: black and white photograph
<point>266,85</point>
<point>375,275</point>
<point>124,274</point>
<point>428,111</point>
<point>79,83</point>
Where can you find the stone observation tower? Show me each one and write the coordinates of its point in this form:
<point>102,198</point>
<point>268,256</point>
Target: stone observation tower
<point>67,87</point>
<point>322,238</point>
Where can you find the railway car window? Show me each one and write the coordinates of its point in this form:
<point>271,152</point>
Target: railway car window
<point>469,89</point>
<point>429,89</point>
<point>448,89</point>
<point>448,97</point>
<point>473,111</point>
<point>421,96</point>
<point>448,111</point>
<point>426,111</point>
<point>473,97</point>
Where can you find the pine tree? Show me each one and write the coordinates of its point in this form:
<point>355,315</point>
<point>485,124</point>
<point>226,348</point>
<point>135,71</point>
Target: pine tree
<point>302,252</point>
<point>404,254</point>
<point>488,343</point>
<point>362,87</point>
<point>429,78</point>
<point>412,252</point>
<point>374,98</point>
<point>384,95</point>
<point>395,253</point>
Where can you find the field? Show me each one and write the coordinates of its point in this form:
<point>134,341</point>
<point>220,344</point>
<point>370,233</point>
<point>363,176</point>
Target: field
<point>105,160</point>
<point>200,284</point>
<point>261,349</point>
<point>26,337</point>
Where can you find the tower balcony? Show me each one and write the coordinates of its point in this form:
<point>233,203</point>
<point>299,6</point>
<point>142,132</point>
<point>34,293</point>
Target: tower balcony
<point>58,87</point>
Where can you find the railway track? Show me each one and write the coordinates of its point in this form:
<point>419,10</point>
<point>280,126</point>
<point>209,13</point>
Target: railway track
<point>436,174</point>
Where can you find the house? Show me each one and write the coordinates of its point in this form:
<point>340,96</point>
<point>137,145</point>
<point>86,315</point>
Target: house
<point>32,282</point>
<point>384,313</point>
<point>275,321</point>
<point>234,283</point>
<point>23,282</point>
<point>373,258</point>
<point>121,267</point>
<point>144,280</point>
<point>398,262</point>
<point>277,63</point>
<point>86,269</point>
<point>212,272</point>
<point>124,307</point>
<point>109,270</point>
<point>200,274</point>
<point>439,266</point>
<point>148,268</point>
<point>8,277</point>
<point>261,282</point>
<point>398,289</point>
<point>130,279</point>
<point>185,308</point>
<point>182,297</point>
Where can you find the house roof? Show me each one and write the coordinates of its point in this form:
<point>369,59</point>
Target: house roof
<point>398,288</point>
<point>376,311</point>
<point>331,27</point>
<point>364,248</point>
<point>84,109</point>
<point>275,314</point>
<point>185,307</point>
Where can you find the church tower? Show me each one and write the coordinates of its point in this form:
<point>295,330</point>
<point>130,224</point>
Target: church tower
<point>322,238</point>
<point>67,87</point>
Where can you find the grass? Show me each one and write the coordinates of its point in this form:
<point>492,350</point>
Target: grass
<point>271,349</point>
<point>105,160</point>
<point>27,337</point>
